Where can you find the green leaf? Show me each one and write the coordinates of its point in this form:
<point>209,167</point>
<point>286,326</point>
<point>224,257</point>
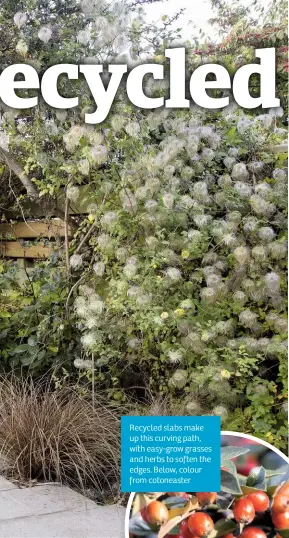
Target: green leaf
<point>230,483</point>
<point>270,474</point>
<point>20,349</point>
<point>256,478</point>
<point>284,533</point>
<point>230,452</point>
<point>224,526</point>
<point>229,466</point>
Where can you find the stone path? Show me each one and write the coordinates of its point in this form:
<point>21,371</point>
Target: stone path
<point>52,511</point>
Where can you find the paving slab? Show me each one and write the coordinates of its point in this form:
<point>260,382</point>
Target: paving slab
<point>38,500</point>
<point>5,484</point>
<point>100,522</point>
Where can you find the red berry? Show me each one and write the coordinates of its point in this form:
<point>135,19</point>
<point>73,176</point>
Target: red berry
<point>200,524</point>
<point>260,500</point>
<point>280,503</point>
<point>156,514</point>
<point>252,532</point>
<point>244,511</point>
<point>184,531</point>
<point>206,498</point>
<point>247,466</point>
<point>281,521</point>
<point>229,535</point>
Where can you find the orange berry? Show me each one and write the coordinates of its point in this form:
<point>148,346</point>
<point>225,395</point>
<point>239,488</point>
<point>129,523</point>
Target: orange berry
<point>280,503</point>
<point>252,532</point>
<point>206,498</point>
<point>184,531</point>
<point>156,514</point>
<point>200,524</point>
<point>244,511</point>
<point>260,500</point>
<point>281,520</point>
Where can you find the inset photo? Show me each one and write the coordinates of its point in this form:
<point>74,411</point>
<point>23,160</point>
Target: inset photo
<point>253,501</point>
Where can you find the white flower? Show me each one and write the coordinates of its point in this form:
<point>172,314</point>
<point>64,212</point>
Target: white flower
<point>208,295</point>
<point>248,318</point>
<point>22,47</point>
<point>98,154</point>
<point>130,270</point>
<point>266,234</point>
<point>259,253</point>
<point>179,379</point>
<point>243,189</point>
<point>186,202</point>
<point>279,174</point>
<point>202,220</point>
<point>173,274</point>
<point>200,190</point>
<point>151,206</point>
<point>20,18</point>
<point>168,200</point>
<point>273,282</point>
<point>89,339</point>
<point>99,268</point>
<point>4,140</point>
<point>175,355</point>
<point>207,155</point>
<point>61,115</point>
<point>151,241</point>
<point>133,292</point>
<point>104,240</point>
<point>132,128</point>
<point>278,250</point>
<point>221,411</point>
<point>263,189</point>
<point>278,112</point>
<point>96,305</point>
<point>129,201</point>
<point>243,125</point>
<point>194,235</point>
<point>76,261</point>
<point>118,122</point>
<point>239,297</point>
<point>121,254</point>
<point>260,206</point>
<point>82,364</point>
<point>109,218</point>
<point>83,37</point>
<point>134,343</point>
<point>45,34</point>
<point>72,138</point>
<point>193,408</point>
<point>187,304</point>
<point>73,193</point>
<point>83,166</point>
<point>242,255</point>
<point>143,300</point>
<point>213,281</point>
<point>229,162</point>
<point>240,172</point>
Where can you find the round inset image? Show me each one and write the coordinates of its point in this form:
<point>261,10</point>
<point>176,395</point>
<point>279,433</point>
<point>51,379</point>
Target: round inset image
<point>253,501</point>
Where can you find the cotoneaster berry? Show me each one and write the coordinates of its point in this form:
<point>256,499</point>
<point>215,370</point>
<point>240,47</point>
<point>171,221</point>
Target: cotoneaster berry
<point>260,500</point>
<point>253,532</point>
<point>206,498</point>
<point>156,514</point>
<point>200,524</point>
<point>281,520</point>
<point>280,504</point>
<point>244,511</point>
<point>184,531</point>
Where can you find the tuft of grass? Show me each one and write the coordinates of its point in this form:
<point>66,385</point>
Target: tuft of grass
<point>57,436</point>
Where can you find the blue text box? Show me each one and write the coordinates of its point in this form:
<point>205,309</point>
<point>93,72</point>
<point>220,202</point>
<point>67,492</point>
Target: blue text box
<point>170,453</point>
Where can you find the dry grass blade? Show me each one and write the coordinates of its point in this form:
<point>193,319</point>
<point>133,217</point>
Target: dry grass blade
<point>57,436</point>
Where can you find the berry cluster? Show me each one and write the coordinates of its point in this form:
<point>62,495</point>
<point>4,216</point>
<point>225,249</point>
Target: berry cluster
<point>253,515</point>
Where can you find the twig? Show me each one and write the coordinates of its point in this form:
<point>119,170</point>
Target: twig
<point>66,231</point>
